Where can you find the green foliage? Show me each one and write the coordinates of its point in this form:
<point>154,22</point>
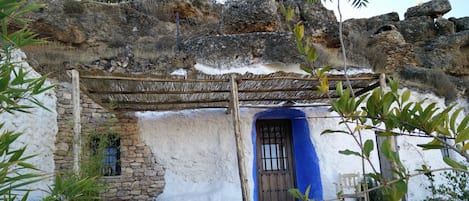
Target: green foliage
<point>11,11</point>
<point>17,91</point>
<point>359,3</point>
<point>389,109</point>
<point>74,188</point>
<point>92,161</point>
<point>456,187</point>
<point>397,113</point>
<point>301,196</point>
<point>354,3</point>
<point>376,195</point>
<point>15,171</point>
<point>86,185</point>
<point>98,139</point>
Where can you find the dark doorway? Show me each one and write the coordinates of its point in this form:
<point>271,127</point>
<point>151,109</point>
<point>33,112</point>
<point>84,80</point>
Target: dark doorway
<point>275,162</point>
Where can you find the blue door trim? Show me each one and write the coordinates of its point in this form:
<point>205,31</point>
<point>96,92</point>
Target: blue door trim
<point>306,159</point>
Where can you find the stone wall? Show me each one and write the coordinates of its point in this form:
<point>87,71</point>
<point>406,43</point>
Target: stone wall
<point>141,177</point>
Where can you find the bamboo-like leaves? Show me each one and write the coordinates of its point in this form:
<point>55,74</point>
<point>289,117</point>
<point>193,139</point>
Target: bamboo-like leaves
<point>359,3</point>
<point>16,89</point>
<point>75,188</point>
<point>13,166</point>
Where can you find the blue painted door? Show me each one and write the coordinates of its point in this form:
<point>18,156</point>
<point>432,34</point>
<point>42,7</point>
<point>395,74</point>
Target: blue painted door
<point>275,162</point>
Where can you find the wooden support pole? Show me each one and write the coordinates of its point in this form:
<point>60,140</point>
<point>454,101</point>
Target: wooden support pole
<point>388,167</point>
<point>239,141</point>
<point>76,121</point>
<point>391,139</point>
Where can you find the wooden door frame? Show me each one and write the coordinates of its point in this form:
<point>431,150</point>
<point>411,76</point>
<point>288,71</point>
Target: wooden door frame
<point>307,169</point>
<point>287,141</point>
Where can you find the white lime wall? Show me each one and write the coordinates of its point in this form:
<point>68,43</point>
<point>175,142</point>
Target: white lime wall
<point>39,128</point>
<point>197,148</point>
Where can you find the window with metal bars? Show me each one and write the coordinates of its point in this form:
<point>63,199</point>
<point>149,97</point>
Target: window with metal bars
<point>273,157</point>
<point>107,150</point>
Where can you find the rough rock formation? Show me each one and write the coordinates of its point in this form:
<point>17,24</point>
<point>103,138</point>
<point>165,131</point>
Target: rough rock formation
<point>241,16</point>
<point>460,23</point>
<point>433,9</point>
<point>244,49</point>
<point>143,36</point>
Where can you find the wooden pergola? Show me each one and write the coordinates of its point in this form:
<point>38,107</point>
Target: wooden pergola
<point>123,92</point>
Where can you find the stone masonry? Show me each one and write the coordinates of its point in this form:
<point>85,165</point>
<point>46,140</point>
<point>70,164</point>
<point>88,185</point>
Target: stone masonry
<point>141,177</point>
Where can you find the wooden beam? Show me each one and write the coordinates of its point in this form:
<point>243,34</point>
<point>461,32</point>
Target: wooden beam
<point>239,141</point>
<point>330,78</point>
<point>164,92</point>
<point>76,121</point>
<point>149,79</point>
<point>262,78</point>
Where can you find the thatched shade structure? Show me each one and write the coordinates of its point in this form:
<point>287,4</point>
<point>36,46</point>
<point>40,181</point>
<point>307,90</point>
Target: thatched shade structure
<point>159,93</point>
<point>122,93</point>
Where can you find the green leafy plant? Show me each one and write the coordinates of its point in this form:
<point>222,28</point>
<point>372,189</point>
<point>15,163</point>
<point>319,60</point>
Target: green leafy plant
<point>455,188</point>
<point>15,171</point>
<point>301,196</point>
<point>376,195</point>
<point>389,113</point>
<point>17,94</point>
<point>92,162</point>
<point>98,141</point>
<point>74,188</point>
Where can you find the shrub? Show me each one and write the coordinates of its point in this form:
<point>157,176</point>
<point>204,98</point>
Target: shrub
<point>455,189</point>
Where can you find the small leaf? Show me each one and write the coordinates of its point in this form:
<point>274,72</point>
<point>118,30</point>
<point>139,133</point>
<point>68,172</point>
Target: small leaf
<point>308,189</point>
<point>452,121</point>
<point>368,147</point>
<point>324,85</point>
<point>454,164</point>
<point>401,186</point>
<point>434,144</point>
<point>295,193</point>
<point>306,69</point>
<point>462,136</point>
<point>328,131</point>
<point>405,96</point>
<point>350,152</point>
<point>339,88</point>
<point>431,146</point>
<point>465,147</point>
<point>463,123</point>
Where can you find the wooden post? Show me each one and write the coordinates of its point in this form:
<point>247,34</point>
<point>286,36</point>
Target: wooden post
<point>76,121</point>
<point>391,139</point>
<point>239,141</point>
<point>387,167</point>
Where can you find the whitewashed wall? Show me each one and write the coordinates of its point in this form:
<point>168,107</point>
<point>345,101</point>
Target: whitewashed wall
<point>197,148</point>
<point>39,128</point>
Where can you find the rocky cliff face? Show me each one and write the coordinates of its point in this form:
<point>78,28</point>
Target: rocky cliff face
<point>143,36</point>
